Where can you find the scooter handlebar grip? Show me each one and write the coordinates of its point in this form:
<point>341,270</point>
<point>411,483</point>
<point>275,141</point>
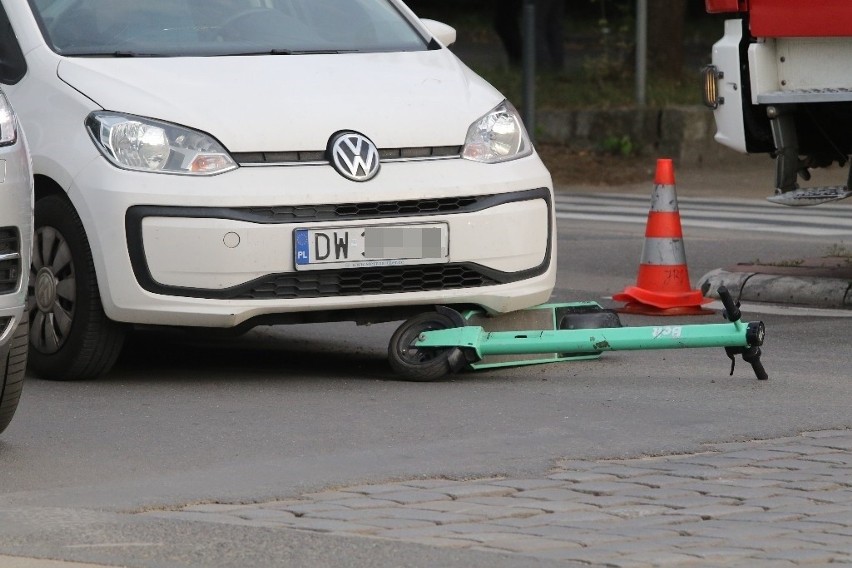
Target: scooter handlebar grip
<point>759,371</point>
<point>752,356</point>
<point>731,309</point>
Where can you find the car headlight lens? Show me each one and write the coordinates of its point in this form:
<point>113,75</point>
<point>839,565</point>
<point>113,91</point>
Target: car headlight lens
<point>149,145</point>
<point>498,136</point>
<point>8,126</point>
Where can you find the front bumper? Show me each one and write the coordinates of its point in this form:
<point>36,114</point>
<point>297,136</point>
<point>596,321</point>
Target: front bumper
<point>16,204</point>
<point>171,263</point>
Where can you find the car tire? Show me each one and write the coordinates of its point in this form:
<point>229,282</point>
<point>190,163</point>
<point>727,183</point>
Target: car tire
<point>13,365</point>
<point>70,335</point>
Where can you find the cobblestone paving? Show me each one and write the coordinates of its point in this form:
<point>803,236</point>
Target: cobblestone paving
<point>782,502</point>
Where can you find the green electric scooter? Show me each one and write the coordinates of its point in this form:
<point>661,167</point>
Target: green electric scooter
<point>431,345</point>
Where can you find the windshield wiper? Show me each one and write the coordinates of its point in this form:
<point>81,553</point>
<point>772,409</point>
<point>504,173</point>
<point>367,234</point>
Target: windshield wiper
<point>295,52</point>
<point>112,54</point>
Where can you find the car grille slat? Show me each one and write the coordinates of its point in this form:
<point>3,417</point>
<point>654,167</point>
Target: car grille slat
<point>319,156</point>
<point>280,214</point>
<point>356,282</point>
<point>10,268</point>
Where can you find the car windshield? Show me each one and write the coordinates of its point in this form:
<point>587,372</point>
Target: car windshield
<point>128,28</point>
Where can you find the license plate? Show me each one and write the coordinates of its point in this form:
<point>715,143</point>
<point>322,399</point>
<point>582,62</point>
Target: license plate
<point>360,247</point>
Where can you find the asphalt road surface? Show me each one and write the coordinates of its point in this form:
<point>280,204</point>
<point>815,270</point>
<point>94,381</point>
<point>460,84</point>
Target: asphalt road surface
<point>284,411</point>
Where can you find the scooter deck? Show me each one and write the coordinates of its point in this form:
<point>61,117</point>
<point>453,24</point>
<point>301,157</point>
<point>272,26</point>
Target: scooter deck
<point>545,316</point>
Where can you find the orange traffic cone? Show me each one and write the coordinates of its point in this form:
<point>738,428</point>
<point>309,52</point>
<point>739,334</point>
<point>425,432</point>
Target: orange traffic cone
<point>662,285</point>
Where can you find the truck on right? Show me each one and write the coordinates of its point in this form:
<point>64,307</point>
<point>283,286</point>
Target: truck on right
<point>780,83</point>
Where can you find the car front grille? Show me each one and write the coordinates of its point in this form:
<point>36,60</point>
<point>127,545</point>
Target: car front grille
<point>366,210</point>
<point>10,260</point>
<point>320,157</point>
<point>365,281</point>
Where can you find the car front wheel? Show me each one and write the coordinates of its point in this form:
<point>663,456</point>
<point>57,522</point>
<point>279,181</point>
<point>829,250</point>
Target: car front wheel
<point>70,335</point>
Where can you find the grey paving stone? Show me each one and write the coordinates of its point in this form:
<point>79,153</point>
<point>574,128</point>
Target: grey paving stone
<point>835,442</point>
<point>765,516</point>
<point>514,542</point>
<point>689,501</point>
<point>581,475</point>
<point>837,496</point>
<point>590,557</point>
<point>714,511</point>
<point>606,501</point>
<point>657,558</point>
<point>668,492</point>
<point>802,477</point>
<point>412,496</point>
<point>394,523</point>
<point>735,531</point>
<point>622,471</point>
<point>529,484</point>
<point>826,539</point>
<point>570,534</point>
<point>438,517</point>
<point>721,554</point>
<point>434,531</point>
<point>761,454</point>
<point>742,493</point>
<point>559,519</point>
<point>374,489</point>
<point>532,504</point>
<point>843,518</point>
<point>835,458</point>
<point>443,542</point>
<point>355,501</point>
<point>264,514</point>
<point>309,508</point>
<point>720,464</point>
<point>549,494</point>
<point>605,487</point>
<point>811,485</point>
<point>658,480</point>
<point>479,510</point>
<point>635,511</point>
<point>465,491</point>
<point>802,556</point>
<point>754,481</point>
<point>332,526</point>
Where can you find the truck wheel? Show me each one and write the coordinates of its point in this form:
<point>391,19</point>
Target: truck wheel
<point>13,364</point>
<point>70,336</point>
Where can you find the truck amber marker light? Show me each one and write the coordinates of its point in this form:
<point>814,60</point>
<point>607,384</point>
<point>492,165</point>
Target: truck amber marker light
<point>710,93</point>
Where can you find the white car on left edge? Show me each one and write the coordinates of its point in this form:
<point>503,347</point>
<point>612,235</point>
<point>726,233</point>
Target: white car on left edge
<point>229,163</point>
<point>16,230</point>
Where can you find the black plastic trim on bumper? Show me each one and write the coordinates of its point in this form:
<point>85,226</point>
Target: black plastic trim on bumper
<point>326,283</point>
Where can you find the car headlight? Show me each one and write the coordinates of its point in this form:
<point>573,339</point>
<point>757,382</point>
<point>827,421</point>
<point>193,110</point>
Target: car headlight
<point>149,145</point>
<point>8,126</point>
<point>498,136</point>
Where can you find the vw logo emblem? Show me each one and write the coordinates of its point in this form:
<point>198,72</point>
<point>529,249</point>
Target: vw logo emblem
<point>354,156</point>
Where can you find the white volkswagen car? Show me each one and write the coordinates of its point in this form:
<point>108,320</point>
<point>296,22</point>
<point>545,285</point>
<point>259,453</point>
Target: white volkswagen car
<point>16,230</point>
<point>229,163</point>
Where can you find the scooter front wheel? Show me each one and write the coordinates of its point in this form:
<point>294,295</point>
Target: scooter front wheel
<point>425,364</point>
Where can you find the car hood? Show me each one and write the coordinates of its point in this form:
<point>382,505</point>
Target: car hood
<point>294,102</point>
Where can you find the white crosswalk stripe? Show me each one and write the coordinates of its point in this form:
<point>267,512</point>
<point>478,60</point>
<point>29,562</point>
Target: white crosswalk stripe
<point>830,220</point>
